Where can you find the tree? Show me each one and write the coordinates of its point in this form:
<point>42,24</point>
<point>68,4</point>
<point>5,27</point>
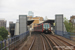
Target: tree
<point>3,32</point>
<point>1,38</point>
<point>68,25</point>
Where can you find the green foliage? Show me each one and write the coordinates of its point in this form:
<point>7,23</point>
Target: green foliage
<point>68,25</point>
<point>65,19</point>
<point>1,38</point>
<point>3,32</point>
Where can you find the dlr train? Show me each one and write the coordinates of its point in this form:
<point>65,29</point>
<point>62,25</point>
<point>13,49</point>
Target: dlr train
<point>44,27</point>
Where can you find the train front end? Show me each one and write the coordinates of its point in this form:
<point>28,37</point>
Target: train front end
<point>46,28</point>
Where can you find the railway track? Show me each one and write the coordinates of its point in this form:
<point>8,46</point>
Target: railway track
<point>69,45</point>
<point>38,43</point>
<point>45,43</point>
<point>65,39</point>
<point>31,44</point>
<point>61,43</point>
<point>50,42</point>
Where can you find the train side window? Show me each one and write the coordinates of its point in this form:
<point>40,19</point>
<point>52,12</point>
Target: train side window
<point>41,27</point>
<point>37,27</point>
<point>44,25</point>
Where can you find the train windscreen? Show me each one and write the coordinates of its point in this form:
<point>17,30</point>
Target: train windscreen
<point>46,26</point>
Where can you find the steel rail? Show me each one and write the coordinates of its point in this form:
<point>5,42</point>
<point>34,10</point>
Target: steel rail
<point>70,44</point>
<point>58,42</point>
<point>32,44</point>
<point>47,42</point>
<point>43,43</point>
<point>64,41</point>
<point>51,43</point>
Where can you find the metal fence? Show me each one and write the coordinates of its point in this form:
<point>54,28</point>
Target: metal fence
<point>67,35</point>
<point>12,43</point>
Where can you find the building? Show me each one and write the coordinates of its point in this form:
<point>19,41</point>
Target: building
<point>37,20</point>
<point>17,28</point>
<point>2,23</point>
<point>30,13</point>
<point>22,23</point>
<point>72,19</point>
<point>29,17</point>
<point>11,28</point>
<point>10,22</point>
<point>7,28</point>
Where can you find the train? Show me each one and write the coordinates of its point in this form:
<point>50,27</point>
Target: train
<point>44,27</point>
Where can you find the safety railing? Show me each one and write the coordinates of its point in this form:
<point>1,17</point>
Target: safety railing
<point>12,43</point>
<point>68,35</point>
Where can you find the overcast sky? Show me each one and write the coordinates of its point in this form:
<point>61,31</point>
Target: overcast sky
<point>10,9</point>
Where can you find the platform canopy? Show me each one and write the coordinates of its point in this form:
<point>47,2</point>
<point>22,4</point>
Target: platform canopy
<point>51,21</point>
<point>29,22</point>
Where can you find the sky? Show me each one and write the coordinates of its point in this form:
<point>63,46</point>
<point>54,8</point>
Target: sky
<point>11,9</point>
